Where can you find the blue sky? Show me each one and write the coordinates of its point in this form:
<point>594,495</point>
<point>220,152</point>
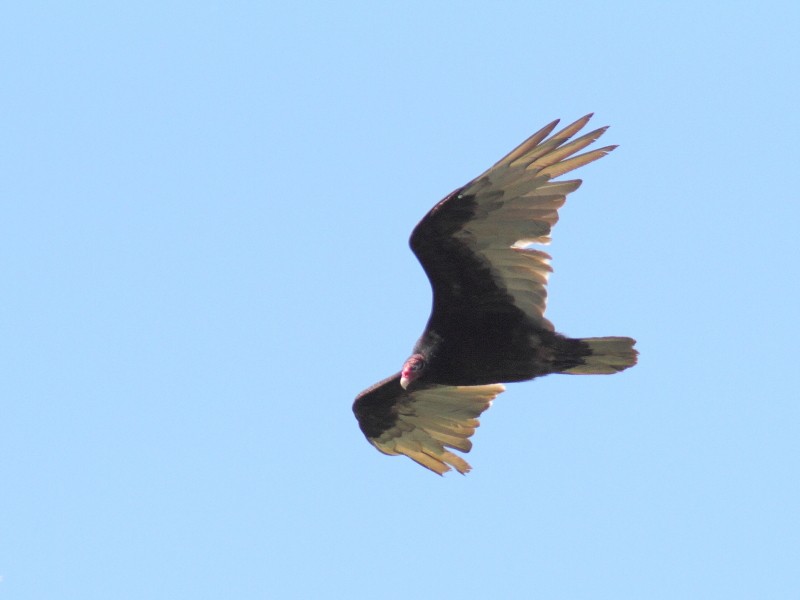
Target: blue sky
<point>204,253</point>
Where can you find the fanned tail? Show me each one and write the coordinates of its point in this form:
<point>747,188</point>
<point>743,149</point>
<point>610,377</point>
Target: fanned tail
<point>607,355</point>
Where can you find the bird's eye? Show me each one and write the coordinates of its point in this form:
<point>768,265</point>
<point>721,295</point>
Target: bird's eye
<point>417,364</point>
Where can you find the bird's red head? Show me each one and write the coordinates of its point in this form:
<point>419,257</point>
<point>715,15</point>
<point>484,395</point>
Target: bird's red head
<point>412,369</point>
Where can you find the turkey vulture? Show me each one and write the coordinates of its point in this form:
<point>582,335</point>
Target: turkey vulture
<point>487,325</point>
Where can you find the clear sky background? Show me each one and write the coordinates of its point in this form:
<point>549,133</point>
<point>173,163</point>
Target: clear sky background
<point>203,252</point>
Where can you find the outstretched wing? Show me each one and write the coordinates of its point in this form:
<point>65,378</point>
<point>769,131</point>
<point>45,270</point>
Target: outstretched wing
<point>425,422</point>
<point>473,244</point>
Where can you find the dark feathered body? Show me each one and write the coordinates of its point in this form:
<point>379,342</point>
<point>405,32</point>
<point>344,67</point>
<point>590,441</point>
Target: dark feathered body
<point>529,353</point>
<point>476,334</point>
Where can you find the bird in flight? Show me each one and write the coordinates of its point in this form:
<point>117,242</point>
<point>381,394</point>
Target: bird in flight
<point>487,324</point>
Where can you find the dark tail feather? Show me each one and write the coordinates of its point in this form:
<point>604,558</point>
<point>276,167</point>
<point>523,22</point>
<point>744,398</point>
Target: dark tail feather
<point>607,355</point>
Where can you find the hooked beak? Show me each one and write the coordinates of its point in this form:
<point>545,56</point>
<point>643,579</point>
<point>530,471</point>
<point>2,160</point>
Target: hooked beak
<point>406,377</point>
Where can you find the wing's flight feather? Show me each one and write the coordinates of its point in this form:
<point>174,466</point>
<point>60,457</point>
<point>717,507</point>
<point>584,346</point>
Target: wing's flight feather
<point>528,144</point>
<point>551,144</point>
<point>424,422</point>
